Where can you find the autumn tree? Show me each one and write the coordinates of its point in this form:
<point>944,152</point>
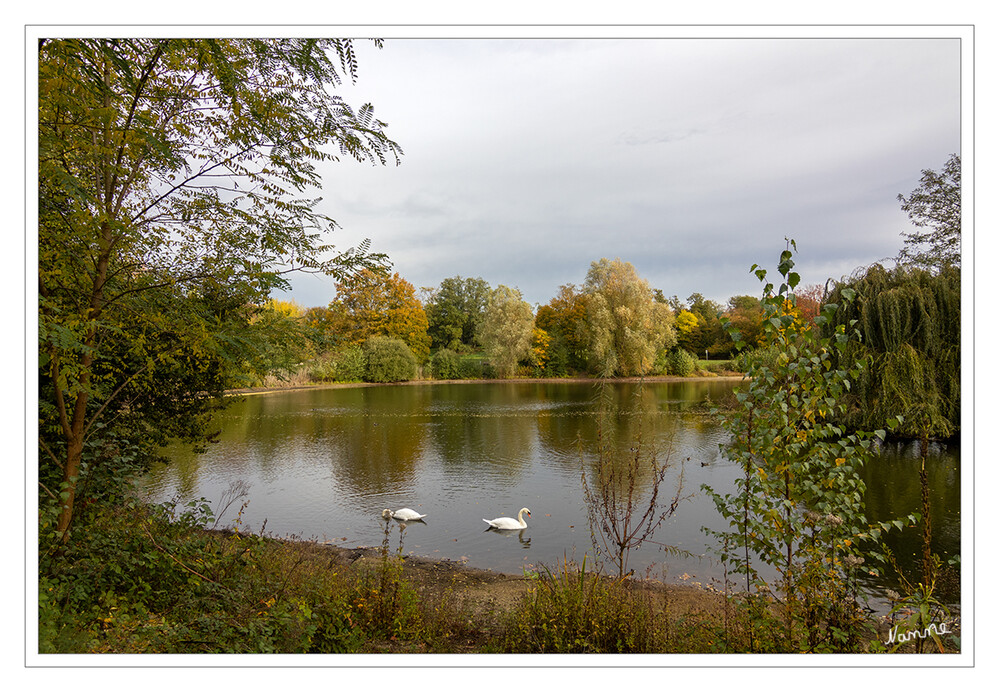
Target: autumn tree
<point>810,301</point>
<point>936,207</point>
<point>745,314</point>
<point>687,325</point>
<point>373,303</point>
<point>564,319</point>
<point>507,329</point>
<point>176,184</point>
<point>627,326</point>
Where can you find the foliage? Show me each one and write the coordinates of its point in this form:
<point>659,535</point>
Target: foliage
<point>541,351</point>
<point>373,303</point>
<point>919,606</point>
<point>445,365</point>
<point>153,580</point>
<point>911,321</point>
<point>454,312</point>
<point>388,360</point>
<point>687,324</point>
<point>798,507</point>
<point>935,205</point>
<point>506,329</point>
<point>570,610</point>
<point>564,318</point>
<point>745,314</point>
<point>626,326</point>
<point>172,198</point>
<point>347,365</point>
<point>680,362</point>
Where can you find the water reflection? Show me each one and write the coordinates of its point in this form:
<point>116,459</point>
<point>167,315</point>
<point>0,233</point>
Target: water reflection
<point>524,541</point>
<point>324,463</point>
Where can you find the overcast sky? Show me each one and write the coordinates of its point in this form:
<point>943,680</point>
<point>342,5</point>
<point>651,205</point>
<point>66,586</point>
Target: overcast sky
<point>528,159</point>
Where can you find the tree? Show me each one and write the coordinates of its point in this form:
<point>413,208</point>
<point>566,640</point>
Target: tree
<point>799,503</point>
<point>454,311</point>
<point>374,303</point>
<point>810,300</point>
<point>911,321</point>
<point>172,180</point>
<point>507,329</point>
<point>564,318</point>
<point>687,325</point>
<point>709,335</point>
<point>745,313</point>
<point>627,327</point>
<point>935,205</point>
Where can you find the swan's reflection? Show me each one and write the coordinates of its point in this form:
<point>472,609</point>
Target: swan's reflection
<point>525,542</point>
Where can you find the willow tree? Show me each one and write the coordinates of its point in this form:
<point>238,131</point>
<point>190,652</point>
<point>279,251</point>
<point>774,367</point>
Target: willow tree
<point>911,322</point>
<point>627,327</point>
<point>507,329</point>
<point>176,188</point>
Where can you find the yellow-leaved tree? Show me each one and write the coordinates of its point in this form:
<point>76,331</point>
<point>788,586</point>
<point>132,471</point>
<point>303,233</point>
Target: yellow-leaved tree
<point>373,303</point>
<point>627,326</point>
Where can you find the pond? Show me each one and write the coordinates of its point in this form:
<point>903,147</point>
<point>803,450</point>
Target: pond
<point>321,464</point>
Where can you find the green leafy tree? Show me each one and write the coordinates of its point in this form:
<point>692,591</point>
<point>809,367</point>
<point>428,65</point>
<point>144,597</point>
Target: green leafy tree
<point>507,329</point>
<point>454,311</point>
<point>627,326</point>
<point>936,207</point>
<point>710,333</point>
<point>911,320</point>
<point>799,503</point>
<point>172,198</point>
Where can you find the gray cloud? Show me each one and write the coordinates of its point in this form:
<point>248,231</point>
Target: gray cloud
<point>693,159</point>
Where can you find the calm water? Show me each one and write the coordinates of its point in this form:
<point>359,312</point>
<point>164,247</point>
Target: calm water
<point>323,463</point>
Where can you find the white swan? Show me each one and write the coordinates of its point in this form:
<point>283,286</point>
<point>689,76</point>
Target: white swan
<point>508,522</point>
<point>404,514</point>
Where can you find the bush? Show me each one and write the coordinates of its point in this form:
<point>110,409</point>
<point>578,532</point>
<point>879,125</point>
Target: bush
<point>389,360</point>
<point>350,364</point>
<point>346,366</point>
<point>445,365</point>
<point>680,363</point>
<point>764,355</point>
<point>570,610</point>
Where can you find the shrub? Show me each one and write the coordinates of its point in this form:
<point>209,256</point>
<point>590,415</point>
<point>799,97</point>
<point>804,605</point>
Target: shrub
<point>570,610</point>
<point>445,365</point>
<point>389,360</point>
<point>680,362</point>
<point>763,355</point>
<point>350,364</point>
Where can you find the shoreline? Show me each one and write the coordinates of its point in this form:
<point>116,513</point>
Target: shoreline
<point>249,391</point>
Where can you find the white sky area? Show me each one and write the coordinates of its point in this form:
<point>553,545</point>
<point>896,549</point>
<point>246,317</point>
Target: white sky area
<point>526,159</point>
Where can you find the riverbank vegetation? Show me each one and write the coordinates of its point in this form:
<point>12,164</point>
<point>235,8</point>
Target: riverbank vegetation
<point>158,580</point>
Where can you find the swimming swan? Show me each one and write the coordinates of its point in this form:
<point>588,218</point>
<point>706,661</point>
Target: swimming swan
<point>508,522</point>
<point>404,514</point>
